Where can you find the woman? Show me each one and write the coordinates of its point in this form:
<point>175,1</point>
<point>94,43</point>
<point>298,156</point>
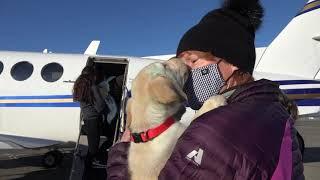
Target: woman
<point>92,107</point>
<point>252,137</point>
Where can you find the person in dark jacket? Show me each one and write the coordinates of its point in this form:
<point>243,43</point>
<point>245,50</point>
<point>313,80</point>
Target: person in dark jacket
<point>253,136</point>
<point>92,105</point>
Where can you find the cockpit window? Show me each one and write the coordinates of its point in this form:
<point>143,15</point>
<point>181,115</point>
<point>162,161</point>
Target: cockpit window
<point>1,67</point>
<point>22,71</point>
<point>52,72</point>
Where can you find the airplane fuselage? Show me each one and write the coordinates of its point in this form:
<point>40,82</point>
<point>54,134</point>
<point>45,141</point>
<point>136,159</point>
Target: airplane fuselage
<point>36,88</point>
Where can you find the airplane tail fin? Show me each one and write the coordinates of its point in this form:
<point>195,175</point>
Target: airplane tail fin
<point>296,50</point>
<point>92,48</point>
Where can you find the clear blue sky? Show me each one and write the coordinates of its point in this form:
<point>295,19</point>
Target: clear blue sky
<point>125,27</point>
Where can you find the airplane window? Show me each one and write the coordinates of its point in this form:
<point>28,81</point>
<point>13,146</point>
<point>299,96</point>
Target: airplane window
<point>1,67</point>
<point>21,71</point>
<point>52,72</point>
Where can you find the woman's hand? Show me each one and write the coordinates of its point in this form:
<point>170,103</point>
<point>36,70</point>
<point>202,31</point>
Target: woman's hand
<point>125,136</point>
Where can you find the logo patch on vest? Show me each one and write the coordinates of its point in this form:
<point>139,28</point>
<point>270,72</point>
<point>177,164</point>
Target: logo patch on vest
<point>195,156</point>
<point>205,71</point>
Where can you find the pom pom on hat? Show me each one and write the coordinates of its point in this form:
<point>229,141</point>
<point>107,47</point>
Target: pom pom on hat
<point>227,33</point>
<point>249,8</point>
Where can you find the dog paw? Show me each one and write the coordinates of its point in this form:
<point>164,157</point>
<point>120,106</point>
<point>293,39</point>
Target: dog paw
<point>212,103</point>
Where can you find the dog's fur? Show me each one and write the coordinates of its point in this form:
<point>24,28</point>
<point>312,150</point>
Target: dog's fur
<point>212,103</point>
<point>156,95</point>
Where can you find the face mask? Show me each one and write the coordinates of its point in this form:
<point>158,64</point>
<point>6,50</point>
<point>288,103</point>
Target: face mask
<point>203,83</point>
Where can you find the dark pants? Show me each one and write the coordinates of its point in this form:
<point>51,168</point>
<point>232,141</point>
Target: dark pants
<point>93,134</point>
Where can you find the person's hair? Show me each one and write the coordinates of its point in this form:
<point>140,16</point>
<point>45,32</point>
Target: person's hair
<point>289,105</point>
<point>82,87</point>
<point>238,78</point>
<point>99,73</point>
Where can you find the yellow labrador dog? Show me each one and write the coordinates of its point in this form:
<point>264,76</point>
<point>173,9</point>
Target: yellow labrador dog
<point>154,111</point>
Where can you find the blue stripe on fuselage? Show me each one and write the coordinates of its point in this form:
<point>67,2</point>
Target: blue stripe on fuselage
<point>308,102</point>
<point>69,104</point>
<point>294,82</point>
<point>302,91</point>
<point>310,7</point>
<point>302,102</point>
<point>37,97</point>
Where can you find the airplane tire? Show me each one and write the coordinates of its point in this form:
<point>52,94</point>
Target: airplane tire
<point>52,159</point>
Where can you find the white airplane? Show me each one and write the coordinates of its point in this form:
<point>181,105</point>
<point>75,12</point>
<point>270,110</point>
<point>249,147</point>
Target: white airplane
<point>36,106</point>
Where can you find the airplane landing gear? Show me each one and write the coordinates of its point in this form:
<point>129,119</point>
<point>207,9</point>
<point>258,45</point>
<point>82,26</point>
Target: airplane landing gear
<point>52,158</point>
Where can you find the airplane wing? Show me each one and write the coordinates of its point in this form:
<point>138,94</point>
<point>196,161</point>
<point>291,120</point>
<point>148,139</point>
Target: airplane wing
<point>17,142</point>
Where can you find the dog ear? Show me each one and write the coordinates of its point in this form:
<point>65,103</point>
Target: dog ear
<point>163,90</point>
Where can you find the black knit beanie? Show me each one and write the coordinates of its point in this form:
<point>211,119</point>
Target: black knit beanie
<point>227,33</point>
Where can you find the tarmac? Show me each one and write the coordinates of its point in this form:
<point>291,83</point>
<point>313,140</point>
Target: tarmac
<point>310,131</point>
<point>27,163</point>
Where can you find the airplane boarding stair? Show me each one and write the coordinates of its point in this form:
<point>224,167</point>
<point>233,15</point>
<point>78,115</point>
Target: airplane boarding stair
<point>81,167</point>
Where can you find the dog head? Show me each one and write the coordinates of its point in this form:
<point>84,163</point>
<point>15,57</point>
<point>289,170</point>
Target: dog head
<point>157,93</point>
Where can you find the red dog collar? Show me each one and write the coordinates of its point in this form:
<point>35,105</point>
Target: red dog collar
<point>151,133</point>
